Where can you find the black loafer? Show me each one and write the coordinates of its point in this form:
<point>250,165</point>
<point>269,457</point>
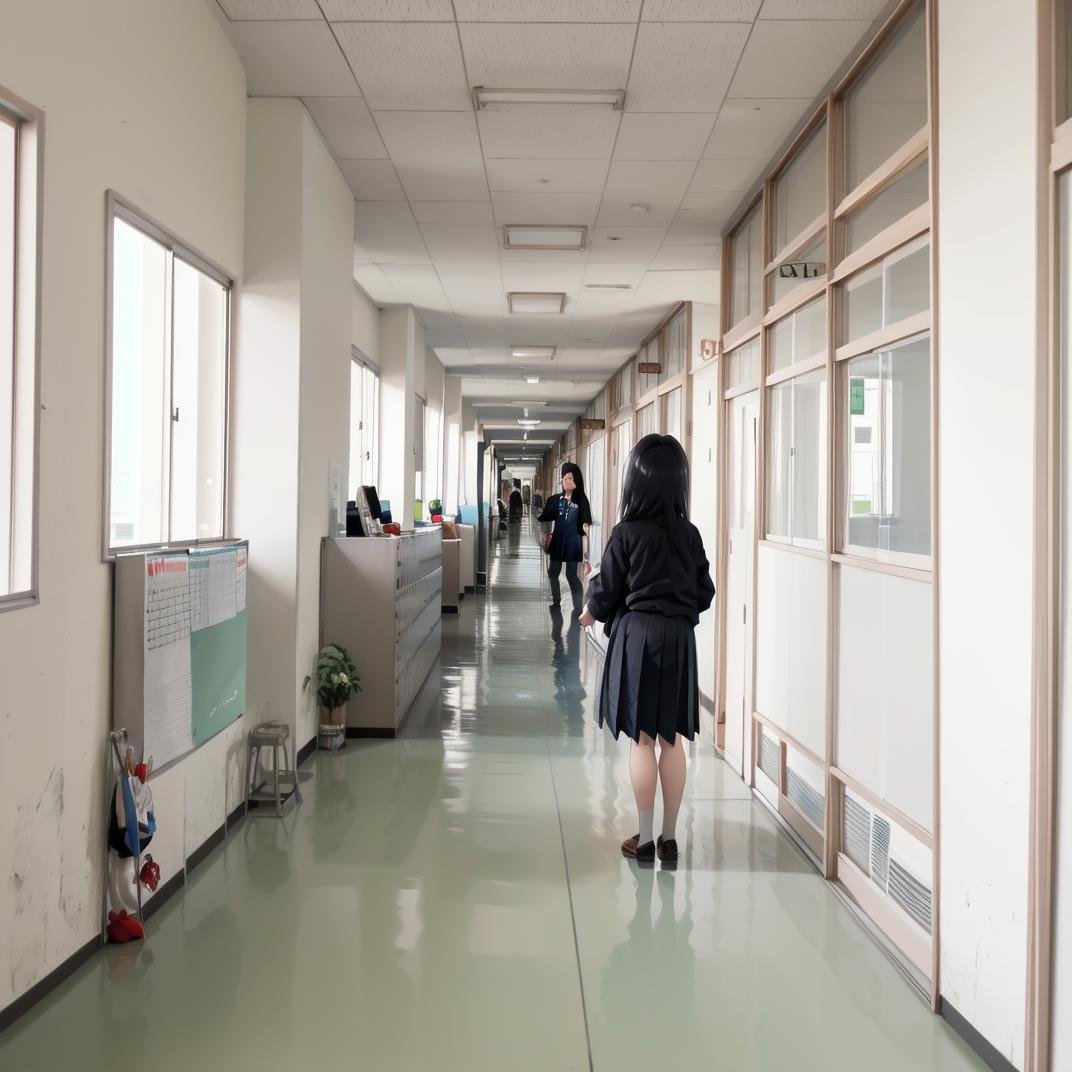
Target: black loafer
<point>668,850</point>
<point>633,850</point>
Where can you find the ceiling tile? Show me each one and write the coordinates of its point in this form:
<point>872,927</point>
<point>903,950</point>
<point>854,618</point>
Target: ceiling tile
<point>701,10</point>
<point>823,9</point>
<point>709,208</point>
<point>418,285</point>
<point>687,231</point>
<point>600,306</point>
<point>375,284</point>
<point>547,10</point>
<point>615,273</point>
<point>663,136</point>
<point>555,276</point>
<point>548,55</point>
<point>545,208</point>
<point>660,185</point>
<point>625,245</point>
<point>386,233</point>
<point>725,176</point>
<point>347,126</point>
<point>455,173</point>
<point>453,212</point>
<point>693,256</point>
<point>547,176</point>
<point>548,132</point>
<point>794,58</point>
<point>708,52</point>
<point>442,329</point>
<point>388,10</point>
<point>400,65</point>
<point>459,275</point>
<point>483,328</point>
<point>754,129</point>
<point>291,59</point>
<point>270,9</point>
<point>372,180</point>
<point>461,241</point>
<point>658,288</point>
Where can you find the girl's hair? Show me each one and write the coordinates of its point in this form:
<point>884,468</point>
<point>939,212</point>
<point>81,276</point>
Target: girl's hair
<point>578,495</point>
<point>656,486</point>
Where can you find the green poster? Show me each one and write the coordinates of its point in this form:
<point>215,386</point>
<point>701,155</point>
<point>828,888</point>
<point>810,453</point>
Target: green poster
<point>856,397</point>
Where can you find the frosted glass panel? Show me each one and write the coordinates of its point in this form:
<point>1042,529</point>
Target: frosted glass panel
<point>675,346</point>
<point>799,336</point>
<point>800,191</point>
<point>746,268</point>
<point>892,290</point>
<point>910,191</point>
<point>744,364</point>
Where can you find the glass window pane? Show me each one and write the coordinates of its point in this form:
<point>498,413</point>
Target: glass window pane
<point>7,349</point>
<point>800,191</point>
<point>594,472</point>
<point>199,390</point>
<point>799,336</point>
<point>625,385</point>
<point>806,266</point>
<point>910,191</point>
<point>672,414</point>
<point>888,104</point>
<point>646,421</point>
<point>624,433</point>
<point>744,364</point>
<point>888,448</point>
<point>891,290</point>
<point>140,417</point>
<point>809,457</point>
<point>355,477</point>
<point>675,347</point>
<point>746,267</point>
<point>647,380</point>
<point>781,445</point>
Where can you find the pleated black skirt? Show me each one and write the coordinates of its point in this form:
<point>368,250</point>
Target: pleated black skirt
<point>649,678</point>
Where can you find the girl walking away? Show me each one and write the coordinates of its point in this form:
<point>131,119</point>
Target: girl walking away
<point>653,584</point>
<point>572,516</point>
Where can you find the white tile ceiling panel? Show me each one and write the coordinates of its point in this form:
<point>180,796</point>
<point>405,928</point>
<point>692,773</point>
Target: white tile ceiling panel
<point>291,59</point>
<point>478,302</point>
<point>372,180</point>
<point>453,212</point>
<point>386,233</point>
<point>545,208</point>
<point>461,241</point>
<point>701,10</point>
<point>687,230</point>
<point>418,285</point>
<point>548,132</point>
<point>559,276</point>
<point>547,176</point>
<point>684,67</point>
<point>482,329</point>
<point>754,129</point>
<point>658,184</point>
<point>659,288</point>
<point>547,55</point>
<point>695,256</point>
<point>347,126</point>
<point>663,136</point>
<point>823,9</point>
<point>634,245</point>
<point>455,172</point>
<point>270,9</point>
<point>725,176</point>
<point>375,284</point>
<point>451,356</point>
<point>630,274</point>
<point>547,10</point>
<point>388,10</point>
<point>602,306</point>
<point>794,58</point>
<point>713,209</point>
<point>407,65</point>
<point>442,329</point>
<point>462,274</point>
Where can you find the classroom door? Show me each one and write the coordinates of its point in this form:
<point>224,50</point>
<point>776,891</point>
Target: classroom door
<point>703,511</point>
<point>741,524</point>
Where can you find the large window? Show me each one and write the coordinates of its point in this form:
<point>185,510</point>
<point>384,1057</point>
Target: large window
<point>623,447</point>
<point>168,381</point>
<point>800,191</point>
<point>19,230</point>
<point>746,267</point>
<point>888,292</point>
<point>364,423</point>
<point>675,348</point>
<point>673,424</point>
<point>594,468</point>
<point>799,337</point>
<point>888,492</point>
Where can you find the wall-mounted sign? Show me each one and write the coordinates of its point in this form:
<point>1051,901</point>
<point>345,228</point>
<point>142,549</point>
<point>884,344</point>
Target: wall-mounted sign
<point>710,348</point>
<point>649,368</point>
<point>856,397</point>
<point>593,423</point>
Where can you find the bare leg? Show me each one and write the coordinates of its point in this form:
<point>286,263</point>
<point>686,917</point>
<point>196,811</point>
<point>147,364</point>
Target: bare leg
<point>672,769</point>
<point>643,771</point>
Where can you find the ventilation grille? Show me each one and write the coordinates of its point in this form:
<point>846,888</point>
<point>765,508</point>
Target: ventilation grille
<point>769,759</point>
<point>805,797</point>
<point>880,851</point>
<point>911,895</point>
<point>856,834</point>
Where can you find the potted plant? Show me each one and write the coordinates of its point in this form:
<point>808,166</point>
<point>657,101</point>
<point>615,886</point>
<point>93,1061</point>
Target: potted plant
<point>435,508</point>
<point>336,682</point>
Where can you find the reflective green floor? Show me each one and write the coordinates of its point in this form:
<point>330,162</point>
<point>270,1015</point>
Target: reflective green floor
<point>456,900</point>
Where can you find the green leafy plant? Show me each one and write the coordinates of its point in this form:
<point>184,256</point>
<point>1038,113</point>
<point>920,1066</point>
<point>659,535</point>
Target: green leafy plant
<point>435,506</point>
<point>336,676</point>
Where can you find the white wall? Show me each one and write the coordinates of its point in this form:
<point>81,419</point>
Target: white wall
<point>452,438</point>
<point>187,172</point>
<point>398,341</point>
<point>365,324</point>
<point>986,205</point>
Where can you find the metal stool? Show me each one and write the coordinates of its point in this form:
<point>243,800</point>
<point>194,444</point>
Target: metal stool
<point>273,735</point>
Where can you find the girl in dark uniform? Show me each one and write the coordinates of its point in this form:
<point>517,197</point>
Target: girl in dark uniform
<point>653,583</point>
<point>572,515</point>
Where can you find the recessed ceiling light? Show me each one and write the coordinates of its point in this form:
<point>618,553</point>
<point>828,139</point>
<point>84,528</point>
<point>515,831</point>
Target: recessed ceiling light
<point>534,352</point>
<point>528,422</point>
<point>608,286</point>
<point>483,96</point>
<point>532,379</point>
<point>544,303</point>
<point>567,237</point>
<point>639,206</point>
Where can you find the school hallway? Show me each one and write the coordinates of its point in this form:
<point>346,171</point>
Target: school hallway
<point>456,899</point>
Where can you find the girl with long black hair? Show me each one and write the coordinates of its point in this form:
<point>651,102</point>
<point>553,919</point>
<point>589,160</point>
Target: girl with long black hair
<point>654,582</point>
<point>572,515</point>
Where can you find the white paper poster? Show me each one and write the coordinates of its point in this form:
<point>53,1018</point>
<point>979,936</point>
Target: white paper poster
<point>240,580</point>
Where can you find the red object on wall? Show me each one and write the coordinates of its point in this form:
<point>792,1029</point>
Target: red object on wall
<point>709,348</point>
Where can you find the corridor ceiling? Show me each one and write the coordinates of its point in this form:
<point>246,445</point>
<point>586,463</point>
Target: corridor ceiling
<point>713,89</point>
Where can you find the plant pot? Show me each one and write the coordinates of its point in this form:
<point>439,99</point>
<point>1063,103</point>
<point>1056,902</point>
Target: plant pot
<point>332,729</point>
<point>333,716</point>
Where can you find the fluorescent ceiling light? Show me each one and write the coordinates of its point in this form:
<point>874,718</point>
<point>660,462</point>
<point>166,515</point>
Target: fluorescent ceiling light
<point>532,379</point>
<point>547,352</point>
<point>486,95</point>
<point>570,237</point>
<point>608,286</point>
<point>537,304</point>
<point>528,422</point>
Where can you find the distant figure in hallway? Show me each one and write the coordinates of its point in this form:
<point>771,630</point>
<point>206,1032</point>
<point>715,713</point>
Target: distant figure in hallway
<point>653,584</point>
<point>517,506</point>
<point>572,517</point>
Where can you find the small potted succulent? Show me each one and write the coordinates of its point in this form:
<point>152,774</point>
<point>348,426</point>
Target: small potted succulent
<point>336,682</point>
<point>435,509</point>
